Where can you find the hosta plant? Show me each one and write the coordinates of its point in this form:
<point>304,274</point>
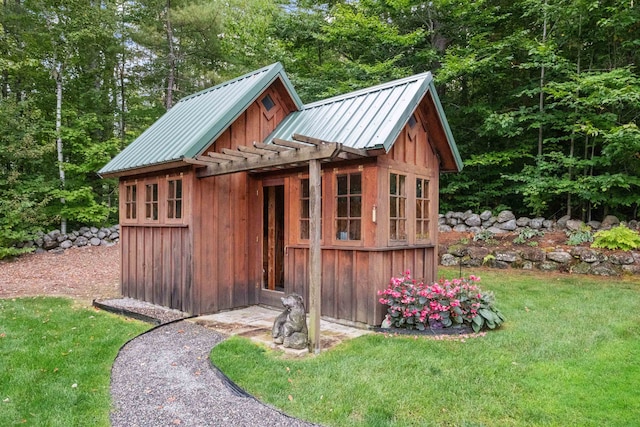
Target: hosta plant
<point>447,303</point>
<point>619,237</point>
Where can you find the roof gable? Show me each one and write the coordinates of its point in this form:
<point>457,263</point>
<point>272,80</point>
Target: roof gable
<point>189,127</point>
<point>370,118</point>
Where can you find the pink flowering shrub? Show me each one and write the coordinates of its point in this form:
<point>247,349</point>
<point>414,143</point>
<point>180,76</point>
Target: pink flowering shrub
<point>447,303</point>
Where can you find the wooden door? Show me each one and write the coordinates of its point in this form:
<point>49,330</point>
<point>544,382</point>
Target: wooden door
<point>273,238</point>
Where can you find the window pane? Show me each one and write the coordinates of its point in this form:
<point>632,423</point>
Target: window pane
<point>304,211</point>
<point>418,209</point>
<point>179,209</point>
<point>304,229</point>
<point>155,210</point>
<point>343,207</point>
<point>393,209</point>
<point>342,184</point>
<point>170,209</point>
<point>356,207</point>
<point>179,189</point>
<point>341,229</point>
<point>155,193</point>
<point>393,187</point>
<point>401,208</point>
<point>305,188</point>
<point>402,230</point>
<point>402,191</point>
<point>354,229</point>
<point>418,188</point>
<point>392,229</point>
<point>356,184</point>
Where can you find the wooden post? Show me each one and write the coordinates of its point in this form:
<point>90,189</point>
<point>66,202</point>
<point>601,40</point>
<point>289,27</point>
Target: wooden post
<point>315,255</point>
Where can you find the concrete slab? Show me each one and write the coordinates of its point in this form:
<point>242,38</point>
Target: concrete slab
<point>255,322</point>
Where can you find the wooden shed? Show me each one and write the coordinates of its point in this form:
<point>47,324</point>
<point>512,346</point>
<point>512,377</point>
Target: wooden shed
<point>219,200</point>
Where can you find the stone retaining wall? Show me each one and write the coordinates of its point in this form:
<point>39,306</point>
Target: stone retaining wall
<point>576,259</point>
<point>54,241</point>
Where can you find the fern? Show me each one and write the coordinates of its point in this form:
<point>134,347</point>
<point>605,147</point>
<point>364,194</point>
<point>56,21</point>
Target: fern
<point>619,237</point>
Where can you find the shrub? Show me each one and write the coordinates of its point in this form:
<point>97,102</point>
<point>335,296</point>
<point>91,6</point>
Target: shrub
<point>619,237</point>
<point>527,233</point>
<point>578,237</point>
<point>447,303</point>
<point>483,235</point>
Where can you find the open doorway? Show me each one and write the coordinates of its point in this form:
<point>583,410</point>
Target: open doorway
<point>273,238</point>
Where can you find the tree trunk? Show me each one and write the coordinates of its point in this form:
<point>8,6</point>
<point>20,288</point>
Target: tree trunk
<point>542,70</point>
<point>58,78</point>
<point>171,58</point>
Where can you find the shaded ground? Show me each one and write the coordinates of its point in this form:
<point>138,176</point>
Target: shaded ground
<point>81,273</point>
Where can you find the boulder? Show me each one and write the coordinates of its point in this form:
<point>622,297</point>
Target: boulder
<point>506,256</point>
<point>581,268</point>
<point>66,244</point>
<point>509,225</point>
<point>449,260</point>
<point>621,258</point>
<point>560,256</point>
<point>441,228</point>
<point>595,225</point>
<point>574,225</point>
<point>81,241</point>
<point>505,216</point>
<point>548,224</point>
<point>485,215</point>
<point>473,220</point>
<point>94,241</point>
<point>536,223</point>
<point>603,269</point>
<point>523,221</point>
<point>533,254</point>
<point>496,230</point>
<point>461,228</point>
<point>562,222</point>
<point>609,221</point>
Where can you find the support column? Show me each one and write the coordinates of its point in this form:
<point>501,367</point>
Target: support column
<point>315,255</point>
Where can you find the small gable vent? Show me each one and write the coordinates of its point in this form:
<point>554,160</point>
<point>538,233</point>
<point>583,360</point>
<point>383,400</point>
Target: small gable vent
<point>412,121</point>
<point>268,103</point>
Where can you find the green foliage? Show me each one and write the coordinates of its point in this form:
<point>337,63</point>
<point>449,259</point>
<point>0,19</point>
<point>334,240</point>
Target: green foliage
<point>483,235</point>
<point>578,237</point>
<point>527,233</point>
<point>620,237</point>
<point>63,351</point>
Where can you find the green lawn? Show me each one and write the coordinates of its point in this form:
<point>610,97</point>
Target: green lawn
<point>55,361</point>
<point>568,354</point>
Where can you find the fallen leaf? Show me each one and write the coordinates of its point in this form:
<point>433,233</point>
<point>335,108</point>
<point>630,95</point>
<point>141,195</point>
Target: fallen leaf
<point>6,400</point>
<point>291,398</point>
<point>289,379</point>
<point>2,335</point>
<point>176,421</point>
<point>74,385</point>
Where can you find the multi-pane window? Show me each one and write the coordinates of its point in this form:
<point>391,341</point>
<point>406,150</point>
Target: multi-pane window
<point>130,201</point>
<point>422,209</point>
<point>174,199</point>
<point>397,207</point>
<point>151,201</point>
<point>349,206</point>
<point>305,209</point>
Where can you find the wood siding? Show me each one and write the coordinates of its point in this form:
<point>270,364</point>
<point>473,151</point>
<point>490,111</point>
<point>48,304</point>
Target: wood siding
<point>156,265</point>
<point>351,278</point>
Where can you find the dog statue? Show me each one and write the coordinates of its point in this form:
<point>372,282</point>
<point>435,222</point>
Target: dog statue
<point>290,327</point>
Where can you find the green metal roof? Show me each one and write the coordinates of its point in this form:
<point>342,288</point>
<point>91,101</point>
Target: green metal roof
<point>196,120</point>
<point>368,118</point>
<point>364,119</point>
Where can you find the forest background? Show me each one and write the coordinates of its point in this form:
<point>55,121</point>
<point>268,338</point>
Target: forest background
<point>543,96</point>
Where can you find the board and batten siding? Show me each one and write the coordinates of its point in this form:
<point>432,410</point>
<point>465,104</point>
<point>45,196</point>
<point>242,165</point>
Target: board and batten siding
<point>227,222</point>
<point>353,272</point>
<point>156,254</point>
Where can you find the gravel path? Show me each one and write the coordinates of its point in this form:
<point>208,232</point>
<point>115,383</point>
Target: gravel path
<point>164,378</point>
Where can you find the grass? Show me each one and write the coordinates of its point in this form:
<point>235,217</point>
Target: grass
<point>568,354</point>
<point>56,361</point>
